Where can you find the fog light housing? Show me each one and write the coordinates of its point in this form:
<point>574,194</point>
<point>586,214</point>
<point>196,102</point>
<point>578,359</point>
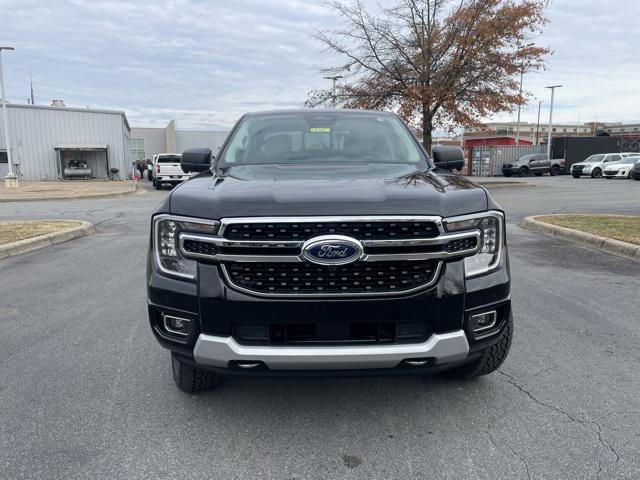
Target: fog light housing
<point>482,322</point>
<point>176,325</point>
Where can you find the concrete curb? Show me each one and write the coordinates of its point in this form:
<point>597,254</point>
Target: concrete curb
<point>608,245</point>
<point>41,241</point>
<point>133,191</point>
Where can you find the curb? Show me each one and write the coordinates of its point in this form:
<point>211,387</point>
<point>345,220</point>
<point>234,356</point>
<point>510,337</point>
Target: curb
<point>133,191</point>
<point>608,245</point>
<point>42,241</point>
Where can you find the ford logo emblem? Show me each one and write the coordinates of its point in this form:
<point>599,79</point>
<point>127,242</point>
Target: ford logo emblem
<point>332,250</point>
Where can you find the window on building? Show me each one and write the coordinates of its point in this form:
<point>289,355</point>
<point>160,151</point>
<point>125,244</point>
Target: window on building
<point>136,146</point>
<point>3,156</point>
<point>575,129</point>
<point>553,130</point>
<point>564,129</point>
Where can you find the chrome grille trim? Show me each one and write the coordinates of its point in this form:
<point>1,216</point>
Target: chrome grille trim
<point>231,257</point>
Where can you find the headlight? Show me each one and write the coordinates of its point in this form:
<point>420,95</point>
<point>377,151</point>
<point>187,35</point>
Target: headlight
<point>166,229</point>
<point>491,226</point>
<point>586,169</point>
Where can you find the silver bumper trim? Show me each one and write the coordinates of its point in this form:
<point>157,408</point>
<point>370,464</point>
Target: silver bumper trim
<point>219,351</point>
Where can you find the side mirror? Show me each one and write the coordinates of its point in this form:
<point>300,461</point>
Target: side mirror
<point>196,160</point>
<point>448,158</point>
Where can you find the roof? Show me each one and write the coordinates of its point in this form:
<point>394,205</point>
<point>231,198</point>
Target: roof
<point>72,109</point>
<point>321,111</point>
<point>80,146</point>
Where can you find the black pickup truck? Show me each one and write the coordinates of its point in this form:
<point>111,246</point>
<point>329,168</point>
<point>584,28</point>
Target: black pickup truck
<point>327,242</point>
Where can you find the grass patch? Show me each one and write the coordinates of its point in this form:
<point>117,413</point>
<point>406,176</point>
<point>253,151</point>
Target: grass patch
<point>21,230</point>
<point>623,228</point>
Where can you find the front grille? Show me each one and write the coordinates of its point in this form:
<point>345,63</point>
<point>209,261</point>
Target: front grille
<point>305,278</point>
<point>363,230</point>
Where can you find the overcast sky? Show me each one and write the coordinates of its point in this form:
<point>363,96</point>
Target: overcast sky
<point>205,62</point>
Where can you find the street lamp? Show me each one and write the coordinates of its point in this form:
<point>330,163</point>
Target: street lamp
<point>520,95</point>
<point>333,88</point>
<point>553,91</point>
<point>540,102</point>
<point>4,115</point>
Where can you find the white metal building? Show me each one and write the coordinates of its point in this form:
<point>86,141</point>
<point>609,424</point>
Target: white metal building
<point>63,143</point>
<point>147,142</point>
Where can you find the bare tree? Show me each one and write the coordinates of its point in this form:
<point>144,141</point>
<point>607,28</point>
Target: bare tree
<point>445,61</point>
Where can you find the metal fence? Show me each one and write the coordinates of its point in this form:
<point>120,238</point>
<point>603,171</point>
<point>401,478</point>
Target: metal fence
<point>488,161</point>
<point>629,144</point>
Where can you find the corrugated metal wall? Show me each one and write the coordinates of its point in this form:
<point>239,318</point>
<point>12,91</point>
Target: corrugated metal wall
<point>35,131</point>
<point>488,161</point>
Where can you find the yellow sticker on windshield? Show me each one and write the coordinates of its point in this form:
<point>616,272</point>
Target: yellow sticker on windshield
<point>319,130</point>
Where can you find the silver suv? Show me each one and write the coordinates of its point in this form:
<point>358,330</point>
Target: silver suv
<point>594,165</point>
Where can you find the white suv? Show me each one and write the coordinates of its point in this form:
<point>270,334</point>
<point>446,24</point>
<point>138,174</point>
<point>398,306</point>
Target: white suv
<point>594,164</point>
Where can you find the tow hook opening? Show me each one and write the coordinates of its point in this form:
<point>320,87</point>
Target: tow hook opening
<point>246,364</point>
<point>417,362</point>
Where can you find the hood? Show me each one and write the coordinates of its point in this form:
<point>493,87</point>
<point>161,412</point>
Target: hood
<point>286,190</point>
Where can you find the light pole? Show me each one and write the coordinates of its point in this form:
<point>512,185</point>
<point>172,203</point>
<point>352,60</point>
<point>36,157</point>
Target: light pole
<point>4,114</point>
<point>553,91</point>
<point>520,94</point>
<point>333,88</point>
<point>540,102</point>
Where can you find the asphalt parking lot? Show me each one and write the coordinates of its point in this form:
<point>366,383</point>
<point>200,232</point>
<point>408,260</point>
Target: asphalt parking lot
<point>86,392</point>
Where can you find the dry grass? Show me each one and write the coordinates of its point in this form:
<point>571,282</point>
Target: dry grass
<point>20,230</point>
<point>624,228</point>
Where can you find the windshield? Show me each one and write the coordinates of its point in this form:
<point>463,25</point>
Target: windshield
<point>628,160</point>
<point>594,159</point>
<point>316,138</point>
<point>168,159</point>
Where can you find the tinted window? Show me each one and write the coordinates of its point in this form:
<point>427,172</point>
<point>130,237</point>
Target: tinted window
<point>613,158</point>
<point>594,158</point>
<point>312,138</point>
<point>168,159</point>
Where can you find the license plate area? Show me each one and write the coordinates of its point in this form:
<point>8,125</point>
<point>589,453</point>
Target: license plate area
<point>329,333</point>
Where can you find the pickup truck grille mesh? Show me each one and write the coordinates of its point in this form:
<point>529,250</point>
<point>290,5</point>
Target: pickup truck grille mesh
<point>310,279</point>
<point>385,230</point>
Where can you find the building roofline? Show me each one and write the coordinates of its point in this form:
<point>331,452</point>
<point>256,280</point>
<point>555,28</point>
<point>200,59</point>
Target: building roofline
<point>72,109</point>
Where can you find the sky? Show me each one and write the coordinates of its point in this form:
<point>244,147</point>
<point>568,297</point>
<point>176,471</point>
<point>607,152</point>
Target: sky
<point>205,62</point>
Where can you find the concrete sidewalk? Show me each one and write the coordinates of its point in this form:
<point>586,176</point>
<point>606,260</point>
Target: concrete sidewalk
<point>66,190</point>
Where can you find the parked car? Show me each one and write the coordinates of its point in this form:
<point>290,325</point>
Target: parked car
<point>536,163</point>
<point>263,263</point>
<point>635,173</point>
<point>166,169</point>
<point>621,169</point>
<point>594,165</point>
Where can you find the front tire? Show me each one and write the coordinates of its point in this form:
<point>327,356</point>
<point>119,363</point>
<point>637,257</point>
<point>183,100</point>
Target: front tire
<point>597,173</point>
<point>158,185</point>
<point>192,379</point>
<point>491,359</point>
<point>554,171</point>
<point>523,172</point>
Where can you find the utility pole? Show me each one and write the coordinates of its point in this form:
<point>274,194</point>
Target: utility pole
<point>553,91</point>
<point>4,115</point>
<point>518,123</point>
<point>333,88</point>
<point>540,102</point>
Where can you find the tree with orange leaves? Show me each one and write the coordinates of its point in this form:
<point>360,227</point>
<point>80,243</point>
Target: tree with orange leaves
<point>449,62</point>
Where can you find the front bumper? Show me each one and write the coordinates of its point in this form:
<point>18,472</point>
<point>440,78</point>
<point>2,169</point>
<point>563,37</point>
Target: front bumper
<point>225,351</point>
<point>618,174</point>
<point>216,309</point>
